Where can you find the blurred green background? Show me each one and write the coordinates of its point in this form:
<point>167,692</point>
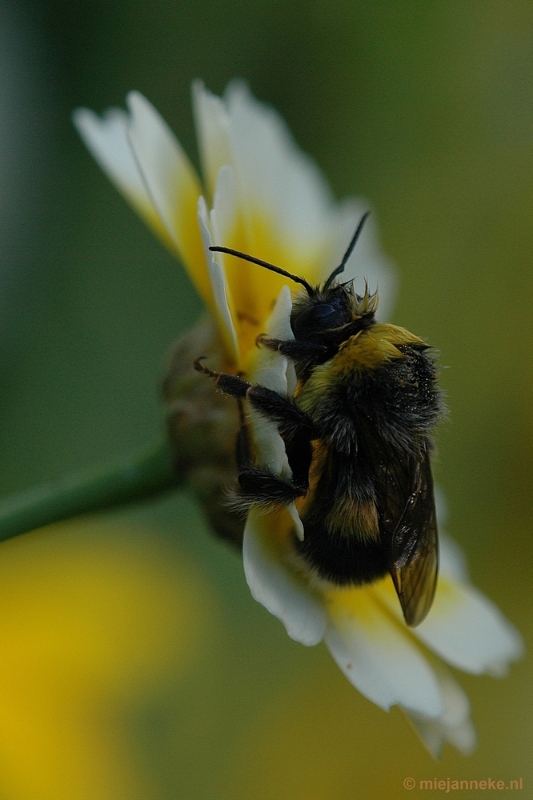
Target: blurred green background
<point>133,662</point>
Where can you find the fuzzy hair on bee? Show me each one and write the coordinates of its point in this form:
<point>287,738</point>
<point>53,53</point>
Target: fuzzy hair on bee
<point>358,439</point>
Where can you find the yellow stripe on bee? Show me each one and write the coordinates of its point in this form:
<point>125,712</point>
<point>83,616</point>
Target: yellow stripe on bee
<point>348,516</point>
<point>371,349</point>
<point>362,353</point>
<point>351,517</point>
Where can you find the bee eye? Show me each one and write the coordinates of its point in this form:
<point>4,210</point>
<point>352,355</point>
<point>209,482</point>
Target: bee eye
<point>318,318</point>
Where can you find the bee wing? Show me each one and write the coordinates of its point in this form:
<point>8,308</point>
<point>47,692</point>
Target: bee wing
<point>409,523</point>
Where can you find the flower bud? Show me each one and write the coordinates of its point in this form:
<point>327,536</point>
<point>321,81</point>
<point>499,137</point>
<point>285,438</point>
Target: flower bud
<point>202,425</point>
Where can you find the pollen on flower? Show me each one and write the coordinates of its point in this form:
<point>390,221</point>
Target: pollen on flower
<point>359,602</point>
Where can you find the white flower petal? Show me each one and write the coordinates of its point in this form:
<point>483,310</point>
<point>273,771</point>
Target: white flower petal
<point>292,380</point>
<point>276,587</point>
<point>441,505</point>
<point>463,627</point>
<point>107,139</point>
<point>268,443</point>
<point>469,631</point>
<point>225,204</point>
<point>218,285</point>
<point>270,370</point>
<point>276,177</point>
<point>280,182</point>
<point>379,658</point>
<point>297,522</point>
<point>454,726</point>
<point>171,181</point>
<point>212,129</point>
<point>452,561</point>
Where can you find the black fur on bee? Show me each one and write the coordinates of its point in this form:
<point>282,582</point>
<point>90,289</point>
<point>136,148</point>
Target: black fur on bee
<point>357,436</point>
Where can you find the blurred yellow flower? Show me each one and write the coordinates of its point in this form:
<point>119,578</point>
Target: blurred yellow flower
<point>264,197</point>
<point>97,622</point>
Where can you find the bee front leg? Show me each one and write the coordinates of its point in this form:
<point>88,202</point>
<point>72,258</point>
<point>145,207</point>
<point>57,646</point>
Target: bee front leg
<point>291,421</point>
<point>257,485</point>
<point>276,407</point>
<point>292,348</point>
<point>233,385</point>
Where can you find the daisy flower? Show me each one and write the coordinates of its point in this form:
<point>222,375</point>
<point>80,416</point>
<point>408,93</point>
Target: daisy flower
<point>262,196</point>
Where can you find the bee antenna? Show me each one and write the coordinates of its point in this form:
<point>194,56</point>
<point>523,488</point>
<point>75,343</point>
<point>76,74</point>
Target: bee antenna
<point>307,286</point>
<point>348,253</point>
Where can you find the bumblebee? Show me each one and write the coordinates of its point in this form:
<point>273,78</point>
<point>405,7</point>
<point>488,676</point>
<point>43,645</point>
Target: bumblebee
<point>357,436</point>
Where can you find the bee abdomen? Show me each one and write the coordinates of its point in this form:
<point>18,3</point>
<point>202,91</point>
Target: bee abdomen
<point>350,517</point>
<point>342,559</point>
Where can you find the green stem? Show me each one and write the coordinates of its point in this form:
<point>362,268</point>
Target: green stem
<point>138,476</point>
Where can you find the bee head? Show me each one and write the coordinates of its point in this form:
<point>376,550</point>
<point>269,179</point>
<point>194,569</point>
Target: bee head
<point>332,310</point>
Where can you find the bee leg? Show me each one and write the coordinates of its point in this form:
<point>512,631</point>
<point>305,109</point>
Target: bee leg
<point>271,404</point>
<point>261,487</point>
<point>300,454</point>
<point>293,349</point>
<point>278,408</point>
<point>243,450</point>
<point>233,385</point>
